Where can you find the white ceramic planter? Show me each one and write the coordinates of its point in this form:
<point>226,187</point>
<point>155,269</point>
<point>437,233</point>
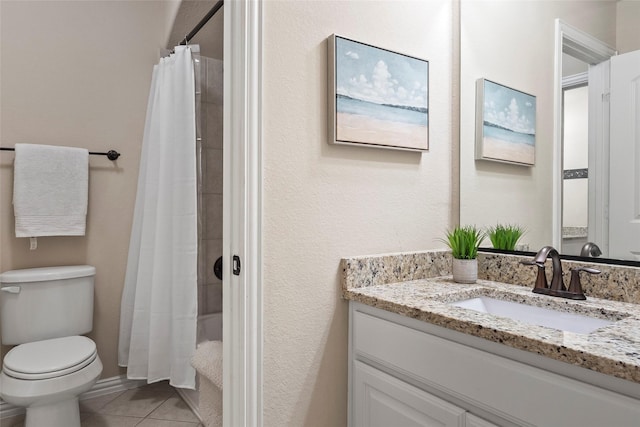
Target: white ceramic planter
<point>465,270</point>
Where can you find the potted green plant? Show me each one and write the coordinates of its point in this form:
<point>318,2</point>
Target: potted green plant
<point>505,237</point>
<point>464,242</point>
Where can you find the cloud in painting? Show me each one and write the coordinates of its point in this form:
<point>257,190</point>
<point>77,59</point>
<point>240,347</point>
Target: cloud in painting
<point>381,77</point>
<point>509,117</point>
<point>509,108</point>
<point>382,88</point>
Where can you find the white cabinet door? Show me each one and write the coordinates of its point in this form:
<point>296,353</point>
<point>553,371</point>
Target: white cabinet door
<point>381,400</point>
<point>473,421</point>
<point>624,219</point>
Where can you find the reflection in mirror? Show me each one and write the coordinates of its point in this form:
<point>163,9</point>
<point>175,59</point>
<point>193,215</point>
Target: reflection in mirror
<point>575,158</point>
<point>511,43</point>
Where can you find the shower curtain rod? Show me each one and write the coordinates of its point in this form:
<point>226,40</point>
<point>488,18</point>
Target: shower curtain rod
<point>111,154</point>
<point>202,22</point>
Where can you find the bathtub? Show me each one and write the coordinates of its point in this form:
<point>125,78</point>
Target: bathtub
<point>209,327</point>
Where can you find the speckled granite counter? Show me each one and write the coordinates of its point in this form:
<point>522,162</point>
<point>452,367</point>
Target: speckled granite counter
<point>421,294</point>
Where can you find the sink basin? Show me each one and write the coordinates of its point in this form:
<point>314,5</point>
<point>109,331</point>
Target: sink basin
<point>534,315</point>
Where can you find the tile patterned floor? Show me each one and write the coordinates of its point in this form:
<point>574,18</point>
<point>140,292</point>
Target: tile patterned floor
<point>154,405</point>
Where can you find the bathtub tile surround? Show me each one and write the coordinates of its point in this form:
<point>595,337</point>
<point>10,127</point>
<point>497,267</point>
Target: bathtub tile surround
<point>210,287</point>
<point>379,281</point>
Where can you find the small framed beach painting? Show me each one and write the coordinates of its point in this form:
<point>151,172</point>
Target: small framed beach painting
<point>377,98</point>
<point>505,124</point>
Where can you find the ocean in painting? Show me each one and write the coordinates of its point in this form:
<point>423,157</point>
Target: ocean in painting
<point>391,113</point>
<point>496,132</point>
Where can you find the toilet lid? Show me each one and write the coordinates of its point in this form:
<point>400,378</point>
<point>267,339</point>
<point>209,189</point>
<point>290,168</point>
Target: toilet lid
<point>49,358</point>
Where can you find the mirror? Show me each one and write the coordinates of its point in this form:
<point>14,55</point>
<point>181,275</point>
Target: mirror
<point>512,43</point>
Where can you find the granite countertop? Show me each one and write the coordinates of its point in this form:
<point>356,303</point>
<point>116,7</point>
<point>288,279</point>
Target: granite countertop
<point>612,350</point>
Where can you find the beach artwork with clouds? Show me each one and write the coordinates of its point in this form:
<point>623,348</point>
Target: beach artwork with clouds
<point>506,131</point>
<point>378,97</point>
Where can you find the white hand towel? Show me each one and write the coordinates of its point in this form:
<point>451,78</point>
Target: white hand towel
<point>50,190</point>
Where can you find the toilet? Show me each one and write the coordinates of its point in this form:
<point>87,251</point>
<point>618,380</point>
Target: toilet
<point>44,312</point>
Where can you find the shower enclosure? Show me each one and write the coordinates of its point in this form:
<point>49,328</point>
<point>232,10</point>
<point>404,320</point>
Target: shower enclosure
<point>209,118</point>
<point>209,85</point>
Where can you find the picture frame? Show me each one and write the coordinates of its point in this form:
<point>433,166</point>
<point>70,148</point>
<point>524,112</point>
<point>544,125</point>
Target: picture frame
<point>376,97</point>
<point>505,124</point>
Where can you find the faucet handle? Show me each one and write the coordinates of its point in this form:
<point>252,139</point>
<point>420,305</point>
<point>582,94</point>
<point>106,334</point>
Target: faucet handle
<point>587,270</point>
<point>575,287</point>
<point>541,279</point>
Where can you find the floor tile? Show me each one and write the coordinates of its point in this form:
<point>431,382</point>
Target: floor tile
<point>101,420</point>
<point>149,422</point>
<point>138,402</point>
<point>174,409</point>
<point>158,402</point>
<point>160,386</point>
<point>97,403</point>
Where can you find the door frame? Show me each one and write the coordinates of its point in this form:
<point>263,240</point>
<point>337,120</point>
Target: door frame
<point>587,48</point>
<point>242,214</point>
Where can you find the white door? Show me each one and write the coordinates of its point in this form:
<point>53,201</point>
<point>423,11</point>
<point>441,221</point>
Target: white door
<point>624,194</point>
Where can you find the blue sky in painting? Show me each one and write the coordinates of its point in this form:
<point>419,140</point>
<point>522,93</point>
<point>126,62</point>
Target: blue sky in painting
<point>509,108</point>
<point>379,76</point>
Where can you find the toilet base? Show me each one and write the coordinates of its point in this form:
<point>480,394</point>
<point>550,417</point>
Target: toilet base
<point>51,402</point>
<point>58,414</point>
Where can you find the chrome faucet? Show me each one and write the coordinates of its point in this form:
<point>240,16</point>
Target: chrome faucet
<point>557,287</point>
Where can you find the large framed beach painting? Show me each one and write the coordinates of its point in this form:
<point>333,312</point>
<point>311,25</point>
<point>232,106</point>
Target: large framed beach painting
<point>505,124</point>
<point>377,98</point>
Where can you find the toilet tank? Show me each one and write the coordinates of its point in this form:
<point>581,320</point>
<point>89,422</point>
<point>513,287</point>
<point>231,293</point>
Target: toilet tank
<point>43,303</point>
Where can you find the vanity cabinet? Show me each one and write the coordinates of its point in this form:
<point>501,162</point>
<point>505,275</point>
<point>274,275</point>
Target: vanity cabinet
<point>404,372</point>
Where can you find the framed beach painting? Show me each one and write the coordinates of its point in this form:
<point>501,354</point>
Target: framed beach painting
<point>505,124</point>
<point>377,98</point>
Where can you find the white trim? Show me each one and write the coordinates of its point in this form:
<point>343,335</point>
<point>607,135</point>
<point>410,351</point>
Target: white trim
<point>599,119</point>
<point>575,80</point>
<point>188,399</point>
<point>585,47</point>
<point>101,388</point>
<point>242,217</point>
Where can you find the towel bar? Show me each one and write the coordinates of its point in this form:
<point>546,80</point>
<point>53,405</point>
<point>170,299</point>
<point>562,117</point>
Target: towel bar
<point>111,154</point>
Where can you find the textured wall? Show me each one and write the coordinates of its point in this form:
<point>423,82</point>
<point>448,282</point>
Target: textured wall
<point>78,74</point>
<point>324,202</point>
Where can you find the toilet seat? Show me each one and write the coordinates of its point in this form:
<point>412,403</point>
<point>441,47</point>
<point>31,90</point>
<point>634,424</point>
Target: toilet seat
<point>49,358</point>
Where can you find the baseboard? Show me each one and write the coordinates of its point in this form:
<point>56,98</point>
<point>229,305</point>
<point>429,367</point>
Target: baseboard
<point>101,388</point>
<point>187,398</point>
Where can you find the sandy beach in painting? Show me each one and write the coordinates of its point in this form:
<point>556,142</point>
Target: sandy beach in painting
<point>508,151</point>
<point>357,128</point>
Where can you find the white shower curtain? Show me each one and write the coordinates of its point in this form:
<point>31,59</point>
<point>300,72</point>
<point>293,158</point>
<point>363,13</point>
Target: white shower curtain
<point>159,302</point>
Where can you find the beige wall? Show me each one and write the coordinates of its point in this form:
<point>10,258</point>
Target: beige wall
<point>78,73</point>
<point>324,202</point>
<point>512,43</point>
<point>628,20</point>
